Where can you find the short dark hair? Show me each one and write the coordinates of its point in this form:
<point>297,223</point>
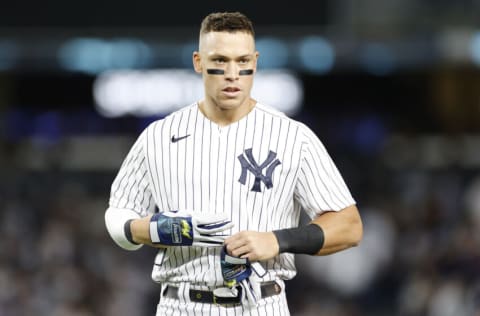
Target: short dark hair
<point>226,22</point>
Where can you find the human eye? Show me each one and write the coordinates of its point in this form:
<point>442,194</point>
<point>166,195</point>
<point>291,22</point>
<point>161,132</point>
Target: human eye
<point>219,60</point>
<point>244,61</point>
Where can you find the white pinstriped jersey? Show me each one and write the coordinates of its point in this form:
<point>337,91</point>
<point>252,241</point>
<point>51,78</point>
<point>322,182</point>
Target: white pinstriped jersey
<point>261,171</point>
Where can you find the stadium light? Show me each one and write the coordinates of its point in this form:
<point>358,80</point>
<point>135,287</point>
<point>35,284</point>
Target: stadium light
<point>156,92</point>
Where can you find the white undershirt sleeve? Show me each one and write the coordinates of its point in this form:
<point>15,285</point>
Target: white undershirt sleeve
<point>115,220</point>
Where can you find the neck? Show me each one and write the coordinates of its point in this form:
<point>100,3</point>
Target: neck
<point>225,116</point>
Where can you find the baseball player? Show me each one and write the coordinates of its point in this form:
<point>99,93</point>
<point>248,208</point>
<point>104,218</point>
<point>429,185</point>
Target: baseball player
<point>219,185</point>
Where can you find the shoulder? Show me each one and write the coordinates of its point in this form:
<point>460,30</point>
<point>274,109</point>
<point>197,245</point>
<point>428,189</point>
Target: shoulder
<point>275,114</point>
<point>268,110</point>
<point>167,120</point>
<point>303,129</point>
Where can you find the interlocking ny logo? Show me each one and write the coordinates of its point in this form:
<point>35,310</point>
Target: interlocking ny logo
<point>249,164</point>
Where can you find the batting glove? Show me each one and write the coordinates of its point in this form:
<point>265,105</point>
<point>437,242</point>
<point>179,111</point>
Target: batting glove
<point>237,272</point>
<point>251,292</point>
<point>189,228</point>
<point>234,269</point>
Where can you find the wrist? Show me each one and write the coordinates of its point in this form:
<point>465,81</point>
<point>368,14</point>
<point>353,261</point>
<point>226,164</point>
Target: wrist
<point>140,230</point>
<point>275,243</point>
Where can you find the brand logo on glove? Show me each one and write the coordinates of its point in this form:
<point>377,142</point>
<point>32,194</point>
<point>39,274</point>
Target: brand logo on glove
<point>180,229</point>
<point>186,229</point>
<point>176,233</point>
<point>232,271</point>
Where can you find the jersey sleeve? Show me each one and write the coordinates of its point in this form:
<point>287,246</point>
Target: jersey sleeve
<point>320,186</point>
<point>131,189</point>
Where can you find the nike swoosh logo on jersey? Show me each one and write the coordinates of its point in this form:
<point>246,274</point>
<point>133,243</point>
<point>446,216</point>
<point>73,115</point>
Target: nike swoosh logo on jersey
<point>176,139</point>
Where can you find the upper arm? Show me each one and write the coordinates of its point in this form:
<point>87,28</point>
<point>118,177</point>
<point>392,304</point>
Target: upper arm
<point>131,188</point>
<point>349,214</point>
<point>131,196</point>
<point>320,186</point>
<point>342,229</point>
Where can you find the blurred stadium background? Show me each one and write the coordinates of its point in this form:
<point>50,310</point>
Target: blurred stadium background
<point>391,87</point>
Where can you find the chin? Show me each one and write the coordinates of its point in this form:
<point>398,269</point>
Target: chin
<point>229,104</point>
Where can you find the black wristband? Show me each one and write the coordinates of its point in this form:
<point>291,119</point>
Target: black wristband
<point>128,232</point>
<point>305,240</point>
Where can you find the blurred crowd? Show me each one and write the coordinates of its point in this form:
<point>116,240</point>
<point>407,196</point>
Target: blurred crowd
<point>420,254</point>
<point>55,255</point>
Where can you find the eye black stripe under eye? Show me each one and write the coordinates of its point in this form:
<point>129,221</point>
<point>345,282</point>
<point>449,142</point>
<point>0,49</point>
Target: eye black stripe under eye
<point>215,71</point>
<point>245,72</point>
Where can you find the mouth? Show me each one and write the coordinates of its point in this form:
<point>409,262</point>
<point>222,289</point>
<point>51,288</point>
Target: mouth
<point>231,91</point>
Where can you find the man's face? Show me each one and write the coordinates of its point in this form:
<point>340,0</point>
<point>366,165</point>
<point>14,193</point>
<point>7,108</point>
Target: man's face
<point>230,52</point>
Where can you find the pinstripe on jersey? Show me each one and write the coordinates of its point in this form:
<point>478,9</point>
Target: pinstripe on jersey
<point>202,172</point>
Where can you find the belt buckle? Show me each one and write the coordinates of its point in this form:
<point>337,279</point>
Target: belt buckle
<point>224,293</point>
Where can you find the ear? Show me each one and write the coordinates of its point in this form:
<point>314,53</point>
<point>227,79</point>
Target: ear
<point>257,54</point>
<point>197,65</point>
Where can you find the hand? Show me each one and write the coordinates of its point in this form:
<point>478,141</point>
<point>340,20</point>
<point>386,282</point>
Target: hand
<point>189,228</point>
<point>256,246</point>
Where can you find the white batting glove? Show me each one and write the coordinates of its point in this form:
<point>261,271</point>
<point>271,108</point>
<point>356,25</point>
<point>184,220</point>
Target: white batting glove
<point>251,292</point>
<point>189,228</point>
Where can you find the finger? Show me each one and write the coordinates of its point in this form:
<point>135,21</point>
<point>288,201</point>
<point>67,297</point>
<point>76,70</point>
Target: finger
<point>210,239</point>
<point>246,256</point>
<point>232,245</point>
<point>213,224</point>
<point>250,256</point>
<point>241,251</point>
<point>210,218</point>
<point>229,240</point>
<point>206,244</point>
<point>237,237</point>
<point>214,227</point>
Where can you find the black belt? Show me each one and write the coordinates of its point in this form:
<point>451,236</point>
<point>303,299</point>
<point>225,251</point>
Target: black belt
<point>268,289</point>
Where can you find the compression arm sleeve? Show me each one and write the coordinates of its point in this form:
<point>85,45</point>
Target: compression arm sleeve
<point>303,240</point>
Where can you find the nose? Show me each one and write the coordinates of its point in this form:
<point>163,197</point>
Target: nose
<point>231,71</point>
